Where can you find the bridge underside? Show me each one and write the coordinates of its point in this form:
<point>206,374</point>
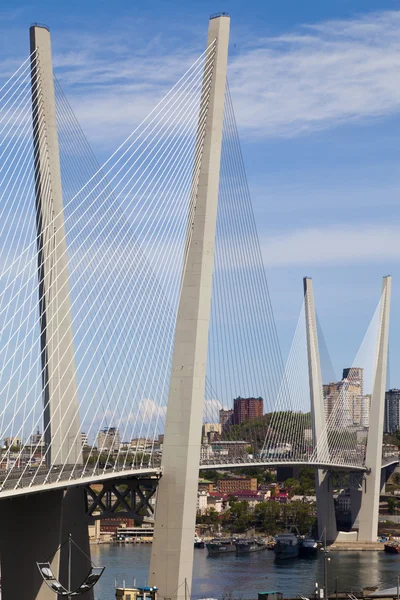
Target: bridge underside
<point>85,481</point>
<point>25,488</point>
<point>274,464</point>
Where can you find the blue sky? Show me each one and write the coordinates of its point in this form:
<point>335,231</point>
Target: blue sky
<point>317,99</point>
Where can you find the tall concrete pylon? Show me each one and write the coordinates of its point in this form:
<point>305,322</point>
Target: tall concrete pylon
<point>60,398</point>
<point>369,508</point>
<point>51,516</point>
<point>171,563</point>
<point>324,492</point>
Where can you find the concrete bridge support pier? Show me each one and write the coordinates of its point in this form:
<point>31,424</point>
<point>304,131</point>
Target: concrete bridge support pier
<point>324,492</point>
<point>60,397</point>
<point>33,527</point>
<point>369,506</point>
<point>172,550</point>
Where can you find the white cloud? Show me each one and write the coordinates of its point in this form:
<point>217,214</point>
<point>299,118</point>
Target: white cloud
<point>211,410</point>
<point>149,411</point>
<point>312,78</point>
<point>320,76</point>
<point>338,244</point>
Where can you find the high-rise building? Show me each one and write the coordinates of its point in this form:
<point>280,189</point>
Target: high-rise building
<point>84,439</point>
<point>247,409</point>
<point>225,418</point>
<point>344,400</point>
<point>392,411</point>
<point>365,408</point>
<point>331,394</point>
<point>108,439</point>
<point>355,375</point>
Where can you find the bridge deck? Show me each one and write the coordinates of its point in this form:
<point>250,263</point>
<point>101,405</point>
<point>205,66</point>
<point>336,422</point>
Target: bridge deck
<point>53,481</point>
<point>240,464</point>
<point>41,486</point>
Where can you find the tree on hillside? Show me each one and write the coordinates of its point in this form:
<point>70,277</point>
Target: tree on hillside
<point>392,505</point>
<point>267,515</point>
<point>238,517</point>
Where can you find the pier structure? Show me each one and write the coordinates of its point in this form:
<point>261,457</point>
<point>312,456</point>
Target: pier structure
<point>173,545</point>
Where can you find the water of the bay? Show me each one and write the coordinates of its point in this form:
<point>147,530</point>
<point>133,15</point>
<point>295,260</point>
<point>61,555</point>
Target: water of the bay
<point>245,576</point>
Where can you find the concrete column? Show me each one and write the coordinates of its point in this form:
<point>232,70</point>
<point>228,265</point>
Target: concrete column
<point>75,522</point>
<point>172,550</point>
<point>61,410</point>
<point>369,509</point>
<point>324,492</point>
<point>31,530</point>
<point>29,533</point>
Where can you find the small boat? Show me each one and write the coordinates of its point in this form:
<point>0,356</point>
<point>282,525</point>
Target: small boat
<point>221,546</point>
<point>308,547</point>
<point>250,545</point>
<point>286,546</point>
<point>392,547</point>
<point>198,541</point>
<point>271,544</point>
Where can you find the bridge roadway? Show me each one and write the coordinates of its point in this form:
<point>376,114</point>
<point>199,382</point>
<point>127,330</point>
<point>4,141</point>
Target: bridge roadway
<point>53,479</point>
<point>50,480</point>
<point>339,467</point>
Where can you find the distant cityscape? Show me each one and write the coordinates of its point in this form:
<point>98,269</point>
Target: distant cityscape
<point>218,439</point>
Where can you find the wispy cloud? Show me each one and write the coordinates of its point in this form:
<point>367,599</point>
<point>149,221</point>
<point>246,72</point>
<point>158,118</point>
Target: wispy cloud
<point>311,78</point>
<point>319,76</point>
<point>339,245</point>
<point>113,87</point>
<point>315,77</point>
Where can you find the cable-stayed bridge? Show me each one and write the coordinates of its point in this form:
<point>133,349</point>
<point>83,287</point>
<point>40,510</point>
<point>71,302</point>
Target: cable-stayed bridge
<point>134,307</point>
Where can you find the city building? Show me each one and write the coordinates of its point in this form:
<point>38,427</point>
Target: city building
<point>108,439</point>
<point>36,440</point>
<point>308,435</point>
<point>269,489</point>
<point>142,444</point>
<point>215,500</point>
<point>345,402</point>
<point>389,450</point>
<point>225,418</point>
<point>12,442</point>
<point>231,486</point>
<point>206,452</point>
<point>355,375</point>
<point>247,409</point>
<point>112,525</point>
<point>84,439</point>
<point>304,499</point>
<point>365,408</point>
<point>251,497</point>
<point>143,533</point>
<point>205,485</point>
<point>229,449</point>
<point>211,432</point>
<point>392,411</point>
<point>343,501</point>
<point>202,502</point>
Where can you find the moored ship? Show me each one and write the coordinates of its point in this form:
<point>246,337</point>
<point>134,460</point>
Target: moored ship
<point>198,541</point>
<point>221,546</point>
<point>250,545</point>
<point>308,547</point>
<point>286,546</point>
<point>392,547</point>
